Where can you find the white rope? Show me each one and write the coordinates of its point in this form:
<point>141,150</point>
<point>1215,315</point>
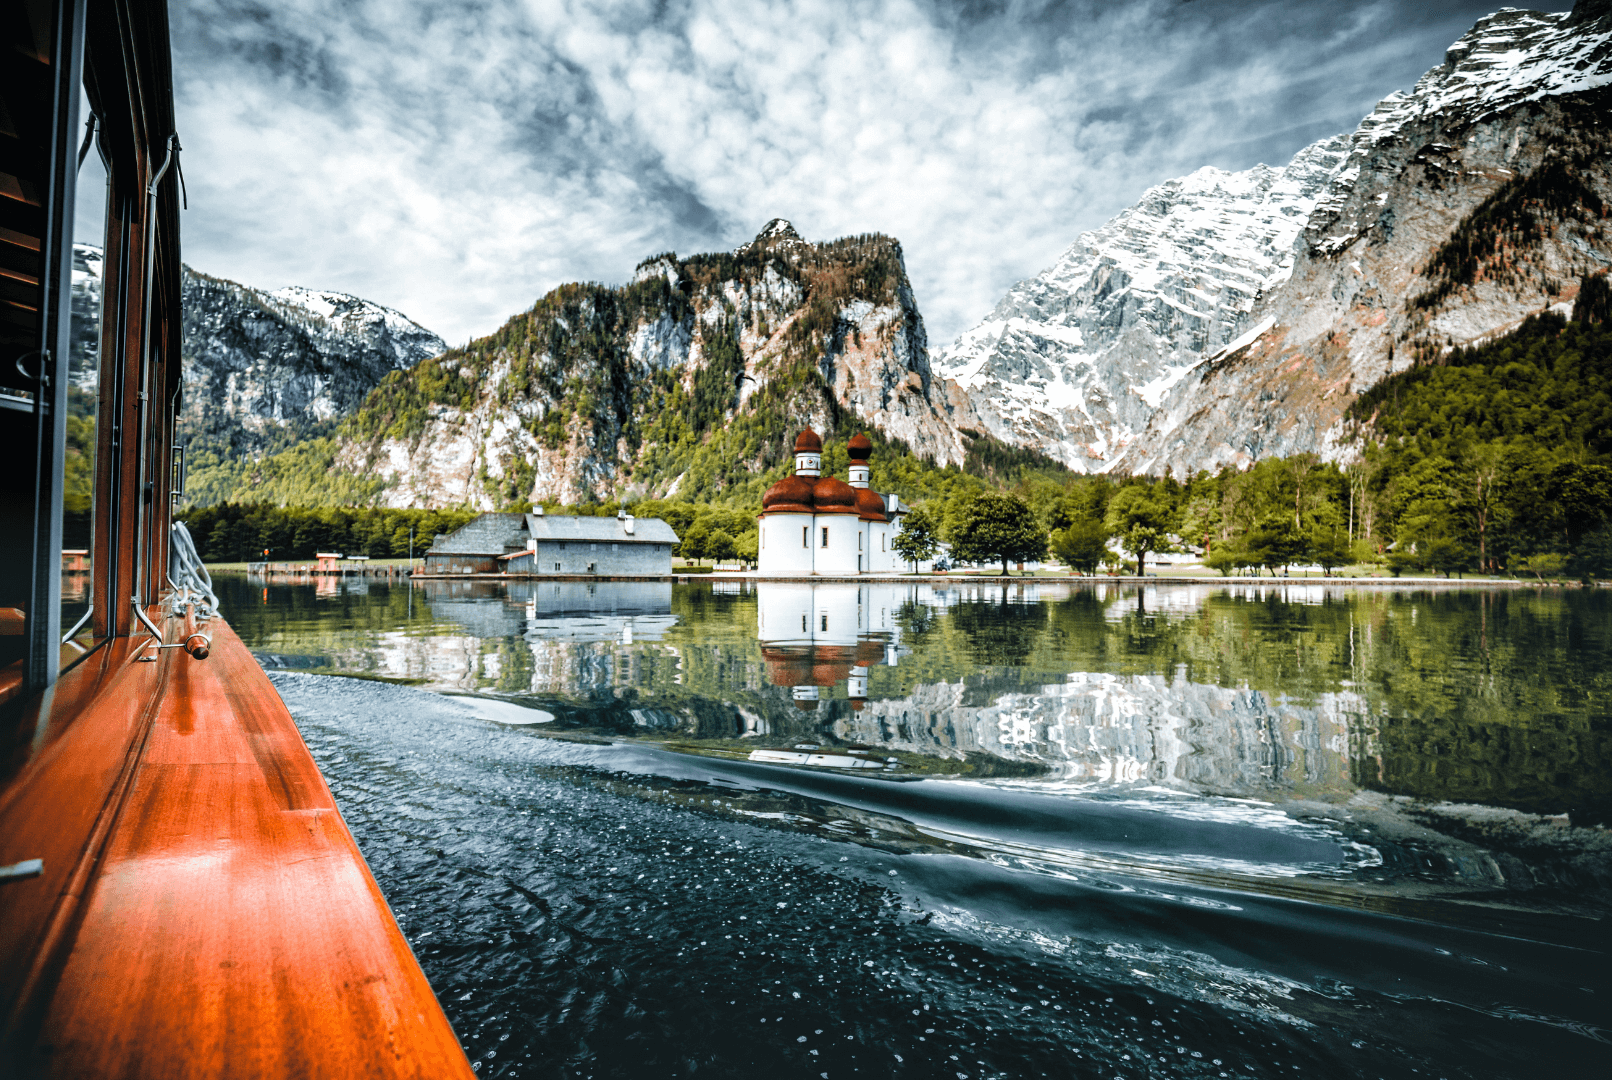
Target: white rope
<point>186,572</point>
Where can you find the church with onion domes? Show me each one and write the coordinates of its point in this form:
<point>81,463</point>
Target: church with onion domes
<point>813,524</point>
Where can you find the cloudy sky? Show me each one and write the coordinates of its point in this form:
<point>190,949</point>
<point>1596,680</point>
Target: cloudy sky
<point>456,159</point>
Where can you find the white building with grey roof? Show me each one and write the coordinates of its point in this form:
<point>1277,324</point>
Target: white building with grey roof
<point>622,545</point>
<point>540,545</point>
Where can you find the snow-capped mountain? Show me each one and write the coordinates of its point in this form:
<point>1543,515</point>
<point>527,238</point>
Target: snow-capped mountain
<point>1229,316</point>
<point>335,317</point>
<point>263,367</point>
<point>1079,357</point>
<point>262,370</point>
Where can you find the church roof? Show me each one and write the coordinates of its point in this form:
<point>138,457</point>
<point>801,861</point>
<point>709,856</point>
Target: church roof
<point>869,505</point>
<point>791,495</point>
<point>831,495</point>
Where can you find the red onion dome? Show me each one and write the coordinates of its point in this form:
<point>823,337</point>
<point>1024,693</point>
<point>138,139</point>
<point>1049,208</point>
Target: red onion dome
<point>788,667</point>
<point>869,507</point>
<point>861,447</point>
<point>808,442</point>
<point>831,495</point>
<point>791,495</point>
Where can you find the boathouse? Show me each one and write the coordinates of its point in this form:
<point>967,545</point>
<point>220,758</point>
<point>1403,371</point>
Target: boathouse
<point>537,545</point>
<point>618,546</point>
<point>478,546</point>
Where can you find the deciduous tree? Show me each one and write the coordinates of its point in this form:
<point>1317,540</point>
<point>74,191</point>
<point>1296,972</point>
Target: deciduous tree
<point>1081,545</point>
<point>1142,518</point>
<point>917,538</point>
<point>996,525</point>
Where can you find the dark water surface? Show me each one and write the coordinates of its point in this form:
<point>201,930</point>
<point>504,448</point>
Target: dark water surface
<point>878,830</point>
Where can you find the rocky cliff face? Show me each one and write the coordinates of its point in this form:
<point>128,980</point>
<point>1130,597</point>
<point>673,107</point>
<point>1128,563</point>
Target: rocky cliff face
<point>661,384</point>
<point>1229,317</point>
<point>1080,357</point>
<point>264,368</point>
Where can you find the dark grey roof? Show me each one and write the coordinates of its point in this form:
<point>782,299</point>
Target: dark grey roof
<point>489,534</point>
<point>501,534</point>
<point>561,527</point>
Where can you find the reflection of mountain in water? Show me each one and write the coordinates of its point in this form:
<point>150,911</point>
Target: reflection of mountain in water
<point>822,645</point>
<point>1279,690</point>
<point>1093,728</point>
<point>1119,729</point>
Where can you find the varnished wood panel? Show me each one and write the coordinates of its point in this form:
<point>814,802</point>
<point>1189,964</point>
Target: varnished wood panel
<point>232,928</point>
<point>65,757</point>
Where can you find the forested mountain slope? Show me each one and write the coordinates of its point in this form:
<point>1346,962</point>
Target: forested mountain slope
<point>689,382</point>
<point>1501,452</point>
<point>269,370</point>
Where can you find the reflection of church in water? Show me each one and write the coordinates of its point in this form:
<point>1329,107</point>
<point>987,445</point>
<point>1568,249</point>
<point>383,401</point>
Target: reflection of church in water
<point>814,637</point>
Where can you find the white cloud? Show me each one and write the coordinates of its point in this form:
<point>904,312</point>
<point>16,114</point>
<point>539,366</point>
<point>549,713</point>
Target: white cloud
<point>458,160</point>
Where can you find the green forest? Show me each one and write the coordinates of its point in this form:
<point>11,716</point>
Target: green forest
<point>229,532</point>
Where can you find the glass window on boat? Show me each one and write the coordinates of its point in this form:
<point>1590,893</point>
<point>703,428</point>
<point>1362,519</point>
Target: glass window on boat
<point>50,314</point>
<point>83,398</point>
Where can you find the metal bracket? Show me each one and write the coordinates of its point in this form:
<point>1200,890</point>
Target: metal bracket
<point>89,137</point>
<point>26,869</point>
<point>140,613</point>
<point>78,625</point>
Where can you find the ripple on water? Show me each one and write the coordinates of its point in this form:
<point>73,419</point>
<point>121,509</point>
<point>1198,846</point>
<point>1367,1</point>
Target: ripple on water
<point>580,921</point>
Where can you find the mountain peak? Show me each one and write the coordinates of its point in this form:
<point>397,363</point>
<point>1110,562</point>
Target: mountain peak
<point>1122,355</point>
<point>777,233</point>
<point>777,229</point>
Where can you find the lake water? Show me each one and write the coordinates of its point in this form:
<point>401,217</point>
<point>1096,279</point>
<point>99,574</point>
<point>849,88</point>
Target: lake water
<point>741,829</point>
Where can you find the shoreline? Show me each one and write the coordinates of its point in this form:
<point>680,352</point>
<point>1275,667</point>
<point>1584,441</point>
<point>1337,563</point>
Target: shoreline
<point>987,579</point>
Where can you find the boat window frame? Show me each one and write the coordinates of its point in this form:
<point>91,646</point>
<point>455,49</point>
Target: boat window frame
<point>40,526</point>
<point>114,54</point>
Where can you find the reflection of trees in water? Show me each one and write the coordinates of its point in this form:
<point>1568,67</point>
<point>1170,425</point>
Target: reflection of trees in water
<point>1541,766</point>
<point>998,633</point>
<point>917,622</point>
<point>1497,697</point>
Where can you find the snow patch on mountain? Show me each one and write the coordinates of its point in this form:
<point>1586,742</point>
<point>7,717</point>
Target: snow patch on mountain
<point>1505,60</point>
<point>335,314</point>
